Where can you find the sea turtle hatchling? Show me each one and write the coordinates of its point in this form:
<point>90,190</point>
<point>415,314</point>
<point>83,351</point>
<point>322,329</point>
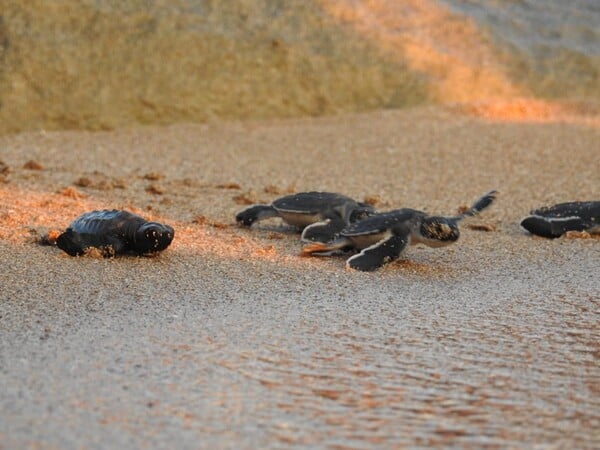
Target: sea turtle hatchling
<point>554,221</point>
<point>321,215</point>
<point>382,237</point>
<point>114,232</point>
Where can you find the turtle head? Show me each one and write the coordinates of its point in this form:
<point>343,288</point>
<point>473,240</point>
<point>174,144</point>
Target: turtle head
<point>153,237</point>
<point>438,231</point>
<point>360,212</point>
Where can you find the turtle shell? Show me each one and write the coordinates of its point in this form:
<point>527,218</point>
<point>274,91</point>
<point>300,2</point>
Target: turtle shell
<point>378,227</point>
<point>381,222</point>
<point>311,202</point>
<point>114,222</point>
<point>554,221</point>
<point>306,208</point>
<point>587,211</point>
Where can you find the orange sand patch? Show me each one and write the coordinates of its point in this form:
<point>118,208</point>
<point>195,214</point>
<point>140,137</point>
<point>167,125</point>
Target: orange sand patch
<point>581,235</point>
<point>227,243</point>
<point>23,211</point>
<point>529,110</point>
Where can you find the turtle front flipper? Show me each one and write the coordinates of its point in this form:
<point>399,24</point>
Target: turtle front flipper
<point>552,227</point>
<point>254,213</point>
<point>324,231</point>
<point>375,256</point>
<point>76,244</point>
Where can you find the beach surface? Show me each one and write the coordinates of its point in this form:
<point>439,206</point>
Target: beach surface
<point>230,339</point>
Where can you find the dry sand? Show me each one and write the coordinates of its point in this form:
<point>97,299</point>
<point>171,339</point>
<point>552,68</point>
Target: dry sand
<point>229,339</point>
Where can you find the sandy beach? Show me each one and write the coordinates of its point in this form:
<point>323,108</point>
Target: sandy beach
<point>230,339</point>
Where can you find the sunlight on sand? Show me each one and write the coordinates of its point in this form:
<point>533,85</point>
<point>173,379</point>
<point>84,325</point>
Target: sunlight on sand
<point>451,52</point>
<point>449,49</point>
<point>26,214</point>
<point>529,110</point>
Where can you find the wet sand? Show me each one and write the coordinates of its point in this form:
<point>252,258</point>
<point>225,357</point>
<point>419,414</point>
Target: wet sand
<point>229,339</point>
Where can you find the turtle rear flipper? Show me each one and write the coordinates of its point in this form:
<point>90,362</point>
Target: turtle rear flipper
<point>255,213</point>
<point>375,256</point>
<point>326,249</point>
<point>324,231</point>
<point>552,227</point>
<point>71,243</point>
<point>481,204</point>
<point>76,244</point>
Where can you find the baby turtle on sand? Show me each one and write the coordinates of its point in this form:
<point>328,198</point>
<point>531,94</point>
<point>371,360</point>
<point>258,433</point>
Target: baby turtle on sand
<point>321,214</point>
<point>114,232</point>
<point>554,221</point>
<point>382,237</point>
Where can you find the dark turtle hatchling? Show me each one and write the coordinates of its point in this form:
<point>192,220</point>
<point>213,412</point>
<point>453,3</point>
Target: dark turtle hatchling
<point>321,215</point>
<point>114,232</point>
<point>382,237</point>
<point>554,221</point>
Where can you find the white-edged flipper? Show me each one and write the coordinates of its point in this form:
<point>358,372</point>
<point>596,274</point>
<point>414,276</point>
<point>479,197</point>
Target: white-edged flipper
<point>552,227</point>
<point>324,231</point>
<point>482,203</point>
<point>554,221</point>
<point>375,256</point>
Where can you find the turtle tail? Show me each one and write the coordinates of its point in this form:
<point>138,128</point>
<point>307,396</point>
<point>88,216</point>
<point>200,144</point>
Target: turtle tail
<point>481,204</point>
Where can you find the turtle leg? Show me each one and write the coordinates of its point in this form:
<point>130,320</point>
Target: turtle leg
<point>552,227</point>
<point>254,213</point>
<point>324,231</point>
<point>76,244</point>
<point>112,246</point>
<point>71,243</point>
<point>375,256</point>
